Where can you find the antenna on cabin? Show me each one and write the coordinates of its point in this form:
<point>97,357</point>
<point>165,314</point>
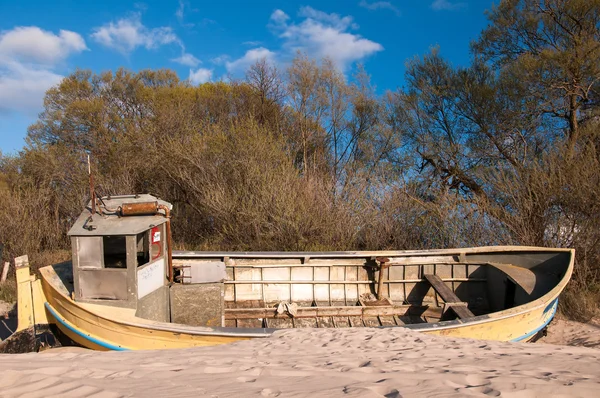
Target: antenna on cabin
<point>92,190</point>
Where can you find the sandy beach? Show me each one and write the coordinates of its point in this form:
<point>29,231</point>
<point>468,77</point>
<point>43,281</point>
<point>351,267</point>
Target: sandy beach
<point>318,362</point>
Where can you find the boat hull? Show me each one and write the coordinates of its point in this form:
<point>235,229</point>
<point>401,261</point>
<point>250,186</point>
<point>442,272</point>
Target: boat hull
<point>108,328</point>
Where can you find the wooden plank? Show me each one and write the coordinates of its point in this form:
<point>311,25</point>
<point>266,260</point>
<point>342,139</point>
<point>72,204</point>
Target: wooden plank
<point>5,271</point>
<point>320,312</point>
<point>305,323</point>
<point>37,295</point>
<point>343,282</point>
<point>341,322</point>
<point>371,321</point>
<point>440,287</point>
<point>387,321</point>
<point>460,309</point>
<point>521,276</point>
<point>421,260</point>
<point>24,296</point>
<point>452,301</point>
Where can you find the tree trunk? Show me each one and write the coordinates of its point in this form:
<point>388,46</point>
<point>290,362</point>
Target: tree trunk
<point>573,126</point>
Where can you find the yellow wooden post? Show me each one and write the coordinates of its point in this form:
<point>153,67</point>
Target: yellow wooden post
<point>24,298</point>
<point>39,310</point>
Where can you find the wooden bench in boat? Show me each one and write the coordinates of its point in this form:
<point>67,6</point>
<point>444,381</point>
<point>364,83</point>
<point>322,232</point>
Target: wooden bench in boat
<point>451,300</point>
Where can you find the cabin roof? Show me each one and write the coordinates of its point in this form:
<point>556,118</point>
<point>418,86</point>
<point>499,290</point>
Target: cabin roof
<point>111,223</point>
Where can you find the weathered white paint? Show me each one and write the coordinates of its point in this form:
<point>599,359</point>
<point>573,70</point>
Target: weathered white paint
<point>151,277</point>
<point>204,271</point>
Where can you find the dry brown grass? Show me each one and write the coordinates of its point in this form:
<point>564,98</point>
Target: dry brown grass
<point>580,303</point>
<point>8,291</point>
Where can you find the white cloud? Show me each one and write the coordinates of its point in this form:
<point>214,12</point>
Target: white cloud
<point>28,59</point>
<point>279,17</point>
<point>441,5</point>
<point>379,5</point>
<point>32,44</point>
<point>187,60</point>
<point>22,88</point>
<point>220,60</point>
<point>127,34</point>
<point>251,56</point>
<point>323,35</point>
<point>179,12</point>
<point>200,75</point>
<point>341,23</point>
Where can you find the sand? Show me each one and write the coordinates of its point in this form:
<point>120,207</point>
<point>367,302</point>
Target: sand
<point>571,333</point>
<point>312,362</point>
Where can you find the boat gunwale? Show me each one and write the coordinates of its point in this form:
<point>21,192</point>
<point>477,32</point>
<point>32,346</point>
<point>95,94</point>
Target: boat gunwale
<point>186,254</point>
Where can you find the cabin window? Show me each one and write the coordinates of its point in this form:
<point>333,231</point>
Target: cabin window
<point>103,284</point>
<point>115,251</point>
<point>149,245</point>
<point>102,263</point>
<point>89,252</point>
<point>143,250</point>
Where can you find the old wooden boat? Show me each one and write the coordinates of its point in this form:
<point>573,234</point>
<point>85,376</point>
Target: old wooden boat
<point>124,289</point>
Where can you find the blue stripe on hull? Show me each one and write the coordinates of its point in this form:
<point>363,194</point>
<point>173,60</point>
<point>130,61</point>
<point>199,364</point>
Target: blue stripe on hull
<point>81,334</point>
<point>554,306</point>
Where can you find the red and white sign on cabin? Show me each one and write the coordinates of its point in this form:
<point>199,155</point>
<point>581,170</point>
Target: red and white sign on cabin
<point>155,235</point>
<point>156,244</point>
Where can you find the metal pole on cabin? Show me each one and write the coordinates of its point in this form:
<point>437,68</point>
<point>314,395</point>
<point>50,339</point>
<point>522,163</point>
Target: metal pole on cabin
<point>92,190</point>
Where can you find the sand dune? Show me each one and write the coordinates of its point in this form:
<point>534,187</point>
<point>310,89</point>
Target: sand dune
<point>312,362</point>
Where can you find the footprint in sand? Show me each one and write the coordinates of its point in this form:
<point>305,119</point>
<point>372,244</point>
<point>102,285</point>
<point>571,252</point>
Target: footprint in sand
<point>213,369</point>
<point>376,390</point>
<point>392,393</point>
<point>476,381</point>
<point>246,379</point>
<point>384,390</point>
<point>269,392</point>
<point>490,392</point>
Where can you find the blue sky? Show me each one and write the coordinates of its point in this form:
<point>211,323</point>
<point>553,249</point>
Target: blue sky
<point>42,41</point>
